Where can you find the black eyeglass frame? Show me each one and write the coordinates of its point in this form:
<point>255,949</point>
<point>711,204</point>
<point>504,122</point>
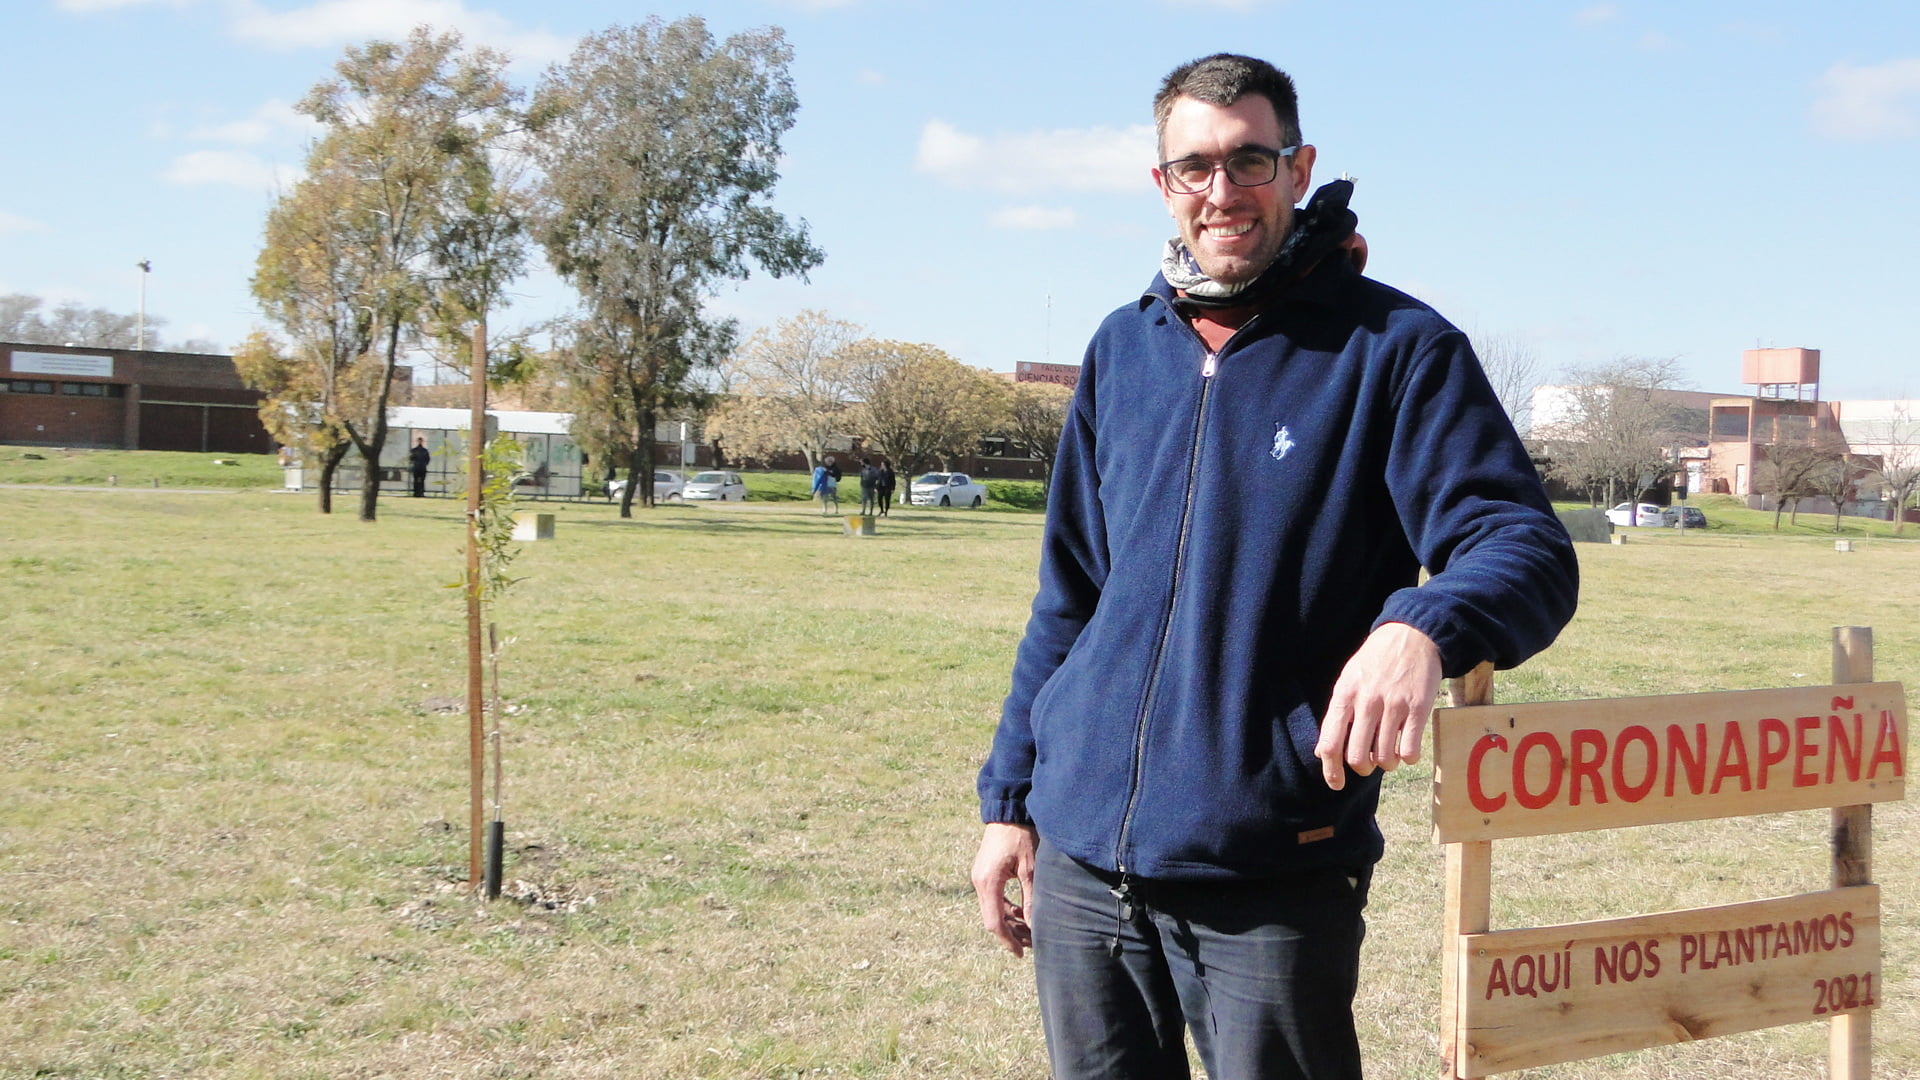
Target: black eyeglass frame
<point>1215,168</point>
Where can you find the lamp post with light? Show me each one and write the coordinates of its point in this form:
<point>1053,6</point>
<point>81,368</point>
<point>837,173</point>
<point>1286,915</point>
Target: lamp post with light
<point>140,321</point>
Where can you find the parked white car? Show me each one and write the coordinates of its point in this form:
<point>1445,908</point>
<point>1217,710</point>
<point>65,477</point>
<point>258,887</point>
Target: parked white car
<point>1639,515</point>
<point>717,486</point>
<point>667,486</point>
<point>947,489</point>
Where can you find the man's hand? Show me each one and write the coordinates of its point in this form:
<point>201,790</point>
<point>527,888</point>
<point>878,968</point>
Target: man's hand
<point>1380,705</point>
<point>1006,854</point>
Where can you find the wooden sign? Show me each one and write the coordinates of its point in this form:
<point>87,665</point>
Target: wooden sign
<point>1562,993</point>
<point>1518,998</point>
<point>1567,766</point>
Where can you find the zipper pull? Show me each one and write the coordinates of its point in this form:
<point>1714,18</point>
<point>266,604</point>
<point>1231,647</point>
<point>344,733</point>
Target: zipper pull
<point>1206,369</point>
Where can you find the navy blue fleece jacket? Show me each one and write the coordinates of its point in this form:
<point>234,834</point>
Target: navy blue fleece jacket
<point>1222,534</point>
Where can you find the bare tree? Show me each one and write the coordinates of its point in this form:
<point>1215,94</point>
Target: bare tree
<point>1838,476</point>
<point>1619,428</point>
<point>1513,368</point>
<point>26,319</point>
<point>1792,471</point>
<point>20,318</point>
<point>1897,441</point>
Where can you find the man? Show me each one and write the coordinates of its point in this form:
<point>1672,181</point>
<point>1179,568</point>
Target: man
<point>1184,778</point>
<point>826,484</point>
<point>869,487</point>
<point>884,489</point>
<point>418,459</point>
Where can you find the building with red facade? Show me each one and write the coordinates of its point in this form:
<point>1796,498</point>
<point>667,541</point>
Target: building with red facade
<point>127,399</point>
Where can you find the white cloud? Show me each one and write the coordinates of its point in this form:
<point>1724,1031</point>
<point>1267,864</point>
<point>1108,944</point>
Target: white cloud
<point>1224,5</point>
<point>1597,14</point>
<point>14,223</point>
<point>1073,159</point>
<point>1655,41</point>
<point>1757,33</point>
<point>1880,101</point>
<point>872,77</point>
<point>331,23</point>
<point>236,168</point>
<point>1034,217</point>
<point>272,118</point>
<point>87,7</point>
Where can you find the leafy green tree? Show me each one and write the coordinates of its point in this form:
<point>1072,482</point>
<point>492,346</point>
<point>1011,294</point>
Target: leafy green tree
<point>1036,411</point>
<point>292,410</point>
<point>307,278</point>
<point>787,389</point>
<point>396,172</point>
<point>919,406</point>
<point>659,151</point>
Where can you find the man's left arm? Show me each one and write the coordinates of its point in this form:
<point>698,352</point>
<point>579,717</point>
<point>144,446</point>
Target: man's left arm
<point>1504,577</point>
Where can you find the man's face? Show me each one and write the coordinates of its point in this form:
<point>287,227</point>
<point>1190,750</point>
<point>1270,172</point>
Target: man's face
<point>1234,232</point>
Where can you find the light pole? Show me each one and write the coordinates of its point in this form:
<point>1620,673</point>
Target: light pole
<point>140,321</point>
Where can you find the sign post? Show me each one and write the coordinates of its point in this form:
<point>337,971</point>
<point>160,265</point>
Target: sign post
<point>1850,1042</point>
<point>1514,999</point>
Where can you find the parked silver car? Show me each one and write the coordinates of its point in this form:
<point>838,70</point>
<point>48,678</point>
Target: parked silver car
<point>667,486</point>
<point>719,486</point>
<point>947,489</point>
<point>1674,516</point>
<point>1639,515</point>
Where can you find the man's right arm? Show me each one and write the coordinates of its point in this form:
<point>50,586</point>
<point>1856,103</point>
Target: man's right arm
<point>1073,570</point>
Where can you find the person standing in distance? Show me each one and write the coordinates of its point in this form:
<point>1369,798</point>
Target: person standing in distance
<point>1185,774</point>
<point>418,459</point>
<point>885,485</point>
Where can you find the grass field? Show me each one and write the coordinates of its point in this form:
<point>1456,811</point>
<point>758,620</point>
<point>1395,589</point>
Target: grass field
<point>150,469</point>
<point>739,761</point>
<point>1727,515</point>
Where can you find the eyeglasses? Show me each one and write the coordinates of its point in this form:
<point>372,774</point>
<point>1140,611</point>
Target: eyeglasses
<point>1252,167</point>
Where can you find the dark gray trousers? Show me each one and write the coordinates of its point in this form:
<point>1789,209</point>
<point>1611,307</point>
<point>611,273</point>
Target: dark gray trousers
<point>1261,972</point>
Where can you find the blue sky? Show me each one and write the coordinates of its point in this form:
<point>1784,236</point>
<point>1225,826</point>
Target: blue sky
<point>1593,179</point>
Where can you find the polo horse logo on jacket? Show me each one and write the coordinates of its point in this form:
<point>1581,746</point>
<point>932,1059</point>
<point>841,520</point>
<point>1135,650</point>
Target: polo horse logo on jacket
<point>1282,442</point>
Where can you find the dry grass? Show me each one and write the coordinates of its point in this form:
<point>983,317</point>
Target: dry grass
<point>739,794</point>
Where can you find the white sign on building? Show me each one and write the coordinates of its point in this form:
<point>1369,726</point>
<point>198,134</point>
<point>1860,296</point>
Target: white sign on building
<point>39,363</point>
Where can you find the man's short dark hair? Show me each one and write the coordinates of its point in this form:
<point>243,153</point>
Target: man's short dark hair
<point>1222,79</point>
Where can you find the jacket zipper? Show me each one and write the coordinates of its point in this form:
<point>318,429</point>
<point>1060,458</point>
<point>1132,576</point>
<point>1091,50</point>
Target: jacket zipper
<point>1207,369</point>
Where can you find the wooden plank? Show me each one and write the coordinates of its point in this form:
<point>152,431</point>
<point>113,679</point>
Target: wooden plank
<point>1469,910</point>
<point>1850,1038</point>
<point>1567,766</point>
<point>1563,993</point>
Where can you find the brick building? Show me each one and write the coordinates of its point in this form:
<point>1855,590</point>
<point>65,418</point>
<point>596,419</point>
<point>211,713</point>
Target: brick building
<point>126,399</point>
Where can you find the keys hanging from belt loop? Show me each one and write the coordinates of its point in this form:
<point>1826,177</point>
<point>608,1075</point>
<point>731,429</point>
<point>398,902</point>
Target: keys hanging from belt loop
<point>1122,912</point>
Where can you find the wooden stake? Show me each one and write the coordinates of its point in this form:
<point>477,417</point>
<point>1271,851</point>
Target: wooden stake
<point>1850,1036</point>
<point>476,656</point>
<point>1469,898</point>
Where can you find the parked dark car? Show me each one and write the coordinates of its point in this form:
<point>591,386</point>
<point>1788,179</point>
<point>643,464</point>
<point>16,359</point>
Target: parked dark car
<point>1683,517</point>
